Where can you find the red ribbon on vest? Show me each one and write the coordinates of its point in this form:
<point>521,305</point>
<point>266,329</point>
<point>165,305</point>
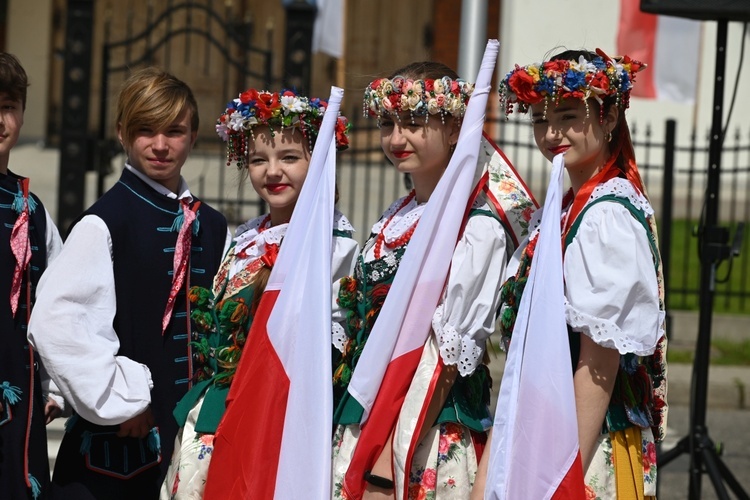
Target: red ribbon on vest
<point>181,258</point>
<point>20,246</point>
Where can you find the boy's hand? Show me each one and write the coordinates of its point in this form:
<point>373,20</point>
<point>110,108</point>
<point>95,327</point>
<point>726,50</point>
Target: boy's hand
<point>138,426</point>
<point>51,411</point>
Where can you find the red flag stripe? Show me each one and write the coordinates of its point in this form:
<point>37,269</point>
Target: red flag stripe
<point>245,459</point>
<point>382,419</point>
<point>570,486</point>
<point>636,37</point>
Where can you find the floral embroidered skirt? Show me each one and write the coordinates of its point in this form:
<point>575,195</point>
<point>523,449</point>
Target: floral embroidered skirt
<point>186,477</point>
<point>601,476</point>
<point>444,463</point>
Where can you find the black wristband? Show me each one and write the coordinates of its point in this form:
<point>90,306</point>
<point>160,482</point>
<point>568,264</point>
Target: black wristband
<point>379,481</point>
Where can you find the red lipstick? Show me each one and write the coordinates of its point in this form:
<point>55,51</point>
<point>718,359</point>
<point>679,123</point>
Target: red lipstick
<point>276,188</point>
<point>559,149</point>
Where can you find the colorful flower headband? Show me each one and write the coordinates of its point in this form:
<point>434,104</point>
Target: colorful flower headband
<point>443,96</point>
<point>274,110</point>
<point>569,79</point>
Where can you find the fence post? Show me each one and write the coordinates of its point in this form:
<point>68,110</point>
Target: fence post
<point>300,18</point>
<point>75,141</point>
<point>666,211</point>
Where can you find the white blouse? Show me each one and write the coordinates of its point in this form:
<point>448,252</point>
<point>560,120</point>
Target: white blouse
<point>71,326</point>
<point>611,288</point>
<point>465,316</point>
<point>54,244</point>
<point>253,241</point>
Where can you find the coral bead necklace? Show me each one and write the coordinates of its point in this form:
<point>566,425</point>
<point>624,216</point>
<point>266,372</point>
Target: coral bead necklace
<point>401,240</point>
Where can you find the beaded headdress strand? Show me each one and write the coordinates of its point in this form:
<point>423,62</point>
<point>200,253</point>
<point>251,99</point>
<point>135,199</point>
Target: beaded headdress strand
<point>276,110</point>
<point>555,80</point>
<point>421,97</point>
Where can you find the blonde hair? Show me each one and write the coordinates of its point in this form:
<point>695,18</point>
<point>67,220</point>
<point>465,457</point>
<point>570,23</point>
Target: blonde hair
<point>153,98</point>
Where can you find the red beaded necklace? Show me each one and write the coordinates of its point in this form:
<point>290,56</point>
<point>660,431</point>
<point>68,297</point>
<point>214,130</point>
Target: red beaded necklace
<point>401,240</point>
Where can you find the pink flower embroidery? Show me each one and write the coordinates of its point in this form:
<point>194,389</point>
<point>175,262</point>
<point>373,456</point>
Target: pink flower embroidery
<point>443,445</point>
<point>649,457</point>
<point>429,479</point>
<point>590,493</point>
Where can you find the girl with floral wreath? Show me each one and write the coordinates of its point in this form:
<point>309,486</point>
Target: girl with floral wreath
<point>419,110</point>
<point>270,137</point>
<point>611,265</point>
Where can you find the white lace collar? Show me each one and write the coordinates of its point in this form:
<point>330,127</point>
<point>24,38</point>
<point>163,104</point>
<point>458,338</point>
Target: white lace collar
<point>340,222</point>
<point>622,188</point>
<point>403,219</point>
<point>255,234</point>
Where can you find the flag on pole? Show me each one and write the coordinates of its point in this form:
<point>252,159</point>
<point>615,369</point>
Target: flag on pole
<point>670,46</point>
<point>534,451</point>
<point>275,439</point>
<point>328,30</point>
<point>393,350</point>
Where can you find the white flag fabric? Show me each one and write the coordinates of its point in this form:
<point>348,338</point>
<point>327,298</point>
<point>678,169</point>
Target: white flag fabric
<point>405,319</point>
<point>670,46</point>
<point>280,409</point>
<point>534,451</point>
<point>393,349</point>
<point>328,31</point>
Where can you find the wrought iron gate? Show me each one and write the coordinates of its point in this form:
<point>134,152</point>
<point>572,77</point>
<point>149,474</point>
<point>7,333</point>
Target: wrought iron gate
<point>206,43</point>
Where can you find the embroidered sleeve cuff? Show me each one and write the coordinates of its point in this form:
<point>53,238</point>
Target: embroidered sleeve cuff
<point>455,349</point>
<point>607,334</point>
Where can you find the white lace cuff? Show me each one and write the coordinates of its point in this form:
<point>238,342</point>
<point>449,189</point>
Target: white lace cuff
<point>338,336</point>
<point>607,334</point>
<point>455,349</point>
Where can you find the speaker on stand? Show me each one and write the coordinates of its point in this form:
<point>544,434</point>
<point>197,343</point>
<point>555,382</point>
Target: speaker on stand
<point>714,248</point>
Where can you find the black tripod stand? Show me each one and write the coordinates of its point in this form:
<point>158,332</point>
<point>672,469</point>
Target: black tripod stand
<point>714,249</point>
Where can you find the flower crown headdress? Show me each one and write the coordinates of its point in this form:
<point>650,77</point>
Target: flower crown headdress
<point>555,80</point>
<point>276,110</point>
<point>421,97</point>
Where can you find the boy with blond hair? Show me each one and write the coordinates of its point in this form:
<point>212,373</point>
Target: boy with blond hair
<point>113,323</point>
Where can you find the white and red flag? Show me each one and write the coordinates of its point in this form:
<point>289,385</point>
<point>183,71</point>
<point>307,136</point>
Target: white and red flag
<point>274,440</point>
<point>670,46</point>
<point>534,451</point>
<point>392,353</point>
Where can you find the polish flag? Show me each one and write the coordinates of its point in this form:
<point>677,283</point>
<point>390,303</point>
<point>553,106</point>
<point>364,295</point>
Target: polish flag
<point>670,46</point>
<point>393,350</point>
<point>534,451</point>
<point>275,438</point>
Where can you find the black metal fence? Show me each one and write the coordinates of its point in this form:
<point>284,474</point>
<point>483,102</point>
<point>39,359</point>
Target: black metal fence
<point>674,173</point>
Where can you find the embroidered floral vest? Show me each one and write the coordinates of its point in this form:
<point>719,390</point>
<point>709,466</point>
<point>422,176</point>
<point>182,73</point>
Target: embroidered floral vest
<point>363,295</point>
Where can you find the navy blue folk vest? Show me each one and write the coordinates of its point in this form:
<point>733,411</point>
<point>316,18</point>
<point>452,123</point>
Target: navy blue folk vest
<point>140,223</point>
<point>19,375</point>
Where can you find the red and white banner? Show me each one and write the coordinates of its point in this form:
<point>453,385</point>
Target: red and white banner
<point>390,357</point>
<point>534,451</point>
<point>670,46</point>
<point>275,439</point>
